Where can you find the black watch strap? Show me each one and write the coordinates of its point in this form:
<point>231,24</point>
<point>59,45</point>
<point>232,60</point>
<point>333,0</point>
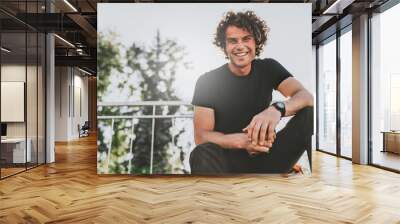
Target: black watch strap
<point>280,106</point>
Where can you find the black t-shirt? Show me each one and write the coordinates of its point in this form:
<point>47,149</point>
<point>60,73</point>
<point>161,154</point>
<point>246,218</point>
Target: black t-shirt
<point>237,99</point>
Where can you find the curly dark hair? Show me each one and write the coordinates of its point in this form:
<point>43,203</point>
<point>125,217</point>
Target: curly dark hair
<point>247,20</point>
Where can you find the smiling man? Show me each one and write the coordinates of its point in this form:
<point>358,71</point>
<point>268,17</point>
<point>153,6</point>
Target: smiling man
<point>234,120</point>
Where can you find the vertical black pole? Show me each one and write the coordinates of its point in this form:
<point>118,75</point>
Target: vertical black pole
<point>369,88</point>
<point>37,88</point>
<point>317,95</point>
<point>26,86</point>
<point>45,89</point>
<point>338,73</point>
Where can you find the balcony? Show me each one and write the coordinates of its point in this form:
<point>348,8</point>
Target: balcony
<point>127,130</point>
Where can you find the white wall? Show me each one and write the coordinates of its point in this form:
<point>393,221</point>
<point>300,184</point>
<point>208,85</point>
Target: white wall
<point>79,117</point>
<point>70,83</point>
<point>14,73</point>
<point>33,126</point>
<point>61,103</point>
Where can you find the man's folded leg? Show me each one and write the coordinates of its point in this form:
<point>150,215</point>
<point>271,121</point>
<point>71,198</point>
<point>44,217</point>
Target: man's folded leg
<point>289,145</point>
<point>211,159</point>
<point>208,158</point>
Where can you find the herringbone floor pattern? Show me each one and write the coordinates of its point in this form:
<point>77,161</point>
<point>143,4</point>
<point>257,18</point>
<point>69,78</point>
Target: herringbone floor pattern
<point>70,191</point>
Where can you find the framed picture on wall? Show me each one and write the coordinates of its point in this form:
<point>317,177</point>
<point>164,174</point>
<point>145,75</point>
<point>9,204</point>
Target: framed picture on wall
<point>12,101</point>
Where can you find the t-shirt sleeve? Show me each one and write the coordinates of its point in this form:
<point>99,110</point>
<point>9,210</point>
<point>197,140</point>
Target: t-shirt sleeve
<point>203,93</point>
<point>278,72</point>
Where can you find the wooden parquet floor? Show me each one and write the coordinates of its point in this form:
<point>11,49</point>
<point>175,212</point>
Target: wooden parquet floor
<point>70,191</point>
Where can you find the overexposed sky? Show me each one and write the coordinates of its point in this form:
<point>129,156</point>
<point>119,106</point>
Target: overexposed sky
<point>193,26</point>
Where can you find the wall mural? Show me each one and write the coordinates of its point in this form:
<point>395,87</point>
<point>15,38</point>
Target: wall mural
<point>202,90</point>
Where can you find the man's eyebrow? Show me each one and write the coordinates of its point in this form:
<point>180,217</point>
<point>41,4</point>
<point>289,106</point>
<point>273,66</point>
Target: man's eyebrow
<point>231,39</point>
<point>248,36</point>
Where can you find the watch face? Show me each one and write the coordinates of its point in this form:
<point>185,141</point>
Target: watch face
<point>280,105</point>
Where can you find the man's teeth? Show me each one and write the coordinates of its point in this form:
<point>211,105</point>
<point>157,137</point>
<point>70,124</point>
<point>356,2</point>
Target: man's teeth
<point>241,54</point>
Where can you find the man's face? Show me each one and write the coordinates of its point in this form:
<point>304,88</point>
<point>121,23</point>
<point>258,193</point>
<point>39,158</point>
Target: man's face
<point>240,46</point>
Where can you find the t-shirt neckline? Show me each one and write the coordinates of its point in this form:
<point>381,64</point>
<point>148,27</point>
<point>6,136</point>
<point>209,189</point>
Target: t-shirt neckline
<point>241,77</point>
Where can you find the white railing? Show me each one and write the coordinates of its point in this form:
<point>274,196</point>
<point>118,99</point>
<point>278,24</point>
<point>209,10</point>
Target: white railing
<point>154,104</point>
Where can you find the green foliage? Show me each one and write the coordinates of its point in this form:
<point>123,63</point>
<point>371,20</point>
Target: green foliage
<point>154,67</point>
<point>108,60</point>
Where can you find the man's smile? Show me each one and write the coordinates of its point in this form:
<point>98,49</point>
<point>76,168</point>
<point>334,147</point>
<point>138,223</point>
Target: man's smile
<point>241,54</point>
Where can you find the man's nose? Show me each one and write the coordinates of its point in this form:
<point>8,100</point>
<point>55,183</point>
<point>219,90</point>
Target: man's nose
<point>240,45</point>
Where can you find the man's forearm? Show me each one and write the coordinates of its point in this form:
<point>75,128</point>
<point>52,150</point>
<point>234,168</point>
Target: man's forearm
<point>219,138</point>
<point>298,101</point>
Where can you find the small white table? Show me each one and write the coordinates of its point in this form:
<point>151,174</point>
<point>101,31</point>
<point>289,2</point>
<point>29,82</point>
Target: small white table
<point>18,149</point>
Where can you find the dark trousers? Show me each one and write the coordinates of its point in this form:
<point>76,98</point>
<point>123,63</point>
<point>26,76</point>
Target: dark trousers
<point>289,145</point>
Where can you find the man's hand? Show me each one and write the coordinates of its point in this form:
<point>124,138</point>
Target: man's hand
<point>261,130</point>
<point>241,141</point>
<point>256,149</point>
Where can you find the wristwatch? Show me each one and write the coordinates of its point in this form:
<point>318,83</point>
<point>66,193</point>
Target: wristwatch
<point>280,106</point>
